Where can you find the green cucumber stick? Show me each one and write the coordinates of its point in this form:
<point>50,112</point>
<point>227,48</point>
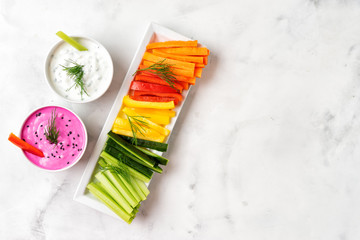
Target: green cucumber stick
<point>119,185</point>
<point>101,194</point>
<point>137,189</point>
<point>71,41</point>
<point>102,162</point>
<point>143,187</point>
<point>129,186</point>
<point>113,192</point>
<point>116,163</point>
<point>160,159</point>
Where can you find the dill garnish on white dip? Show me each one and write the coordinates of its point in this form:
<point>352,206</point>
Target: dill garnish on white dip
<point>76,73</point>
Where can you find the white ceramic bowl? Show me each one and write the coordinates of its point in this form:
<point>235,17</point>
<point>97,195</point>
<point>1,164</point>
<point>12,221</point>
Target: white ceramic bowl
<point>98,70</point>
<point>72,138</point>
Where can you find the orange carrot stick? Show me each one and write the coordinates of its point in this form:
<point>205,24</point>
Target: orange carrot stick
<point>179,78</point>
<point>185,85</point>
<point>199,65</point>
<point>193,59</point>
<point>190,80</point>
<point>192,51</point>
<point>168,44</point>
<point>206,60</point>
<point>176,71</point>
<point>198,72</point>
<point>175,63</point>
<point>25,146</point>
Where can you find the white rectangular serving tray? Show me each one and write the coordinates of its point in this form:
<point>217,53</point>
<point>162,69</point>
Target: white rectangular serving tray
<point>154,33</point>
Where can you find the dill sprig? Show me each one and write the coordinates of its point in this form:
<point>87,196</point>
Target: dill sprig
<point>137,125</point>
<point>121,170</point>
<point>51,131</point>
<point>76,73</point>
<point>162,70</point>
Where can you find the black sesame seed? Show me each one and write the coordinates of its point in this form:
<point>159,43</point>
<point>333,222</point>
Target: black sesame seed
<point>73,138</point>
<point>66,125</point>
<point>48,157</point>
<point>69,120</point>
<point>61,143</point>
<point>41,125</point>
<point>67,162</point>
<point>68,145</point>
<point>40,139</point>
<point>35,132</point>
<point>62,117</point>
<point>56,151</point>
<point>23,139</point>
<point>35,142</point>
<point>37,135</point>
<point>78,135</point>
<point>59,157</point>
<point>73,155</point>
<point>27,126</point>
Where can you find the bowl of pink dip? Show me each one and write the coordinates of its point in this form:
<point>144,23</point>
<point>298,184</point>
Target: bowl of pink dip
<point>71,141</point>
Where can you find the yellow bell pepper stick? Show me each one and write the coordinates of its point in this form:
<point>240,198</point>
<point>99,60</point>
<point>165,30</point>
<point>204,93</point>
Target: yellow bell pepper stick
<point>122,123</point>
<point>159,138</point>
<point>150,124</point>
<point>152,111</point>
<point>159,119</point>
<point>143,104</point>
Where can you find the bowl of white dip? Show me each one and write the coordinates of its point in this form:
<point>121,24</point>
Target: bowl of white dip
<point>96,64</point>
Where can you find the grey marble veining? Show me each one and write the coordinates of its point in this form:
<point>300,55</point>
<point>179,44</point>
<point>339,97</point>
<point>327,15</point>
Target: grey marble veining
<point>267,146</point>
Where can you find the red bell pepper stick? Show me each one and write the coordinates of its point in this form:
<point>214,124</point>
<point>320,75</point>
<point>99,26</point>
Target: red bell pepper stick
<point>25,146</point>
<point>177,96</point>
<point>179,78</point>
<point>154,99</point>
<point>151,87</point>
<point>157,80</point>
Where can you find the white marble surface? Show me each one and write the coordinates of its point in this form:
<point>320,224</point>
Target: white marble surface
<point>266,148</point>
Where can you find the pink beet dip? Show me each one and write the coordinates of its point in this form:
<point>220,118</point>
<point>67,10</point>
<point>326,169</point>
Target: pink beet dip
<point>72,138</point>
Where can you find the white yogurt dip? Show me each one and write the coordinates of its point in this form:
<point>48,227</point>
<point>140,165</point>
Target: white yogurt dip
<point>98,70</point>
